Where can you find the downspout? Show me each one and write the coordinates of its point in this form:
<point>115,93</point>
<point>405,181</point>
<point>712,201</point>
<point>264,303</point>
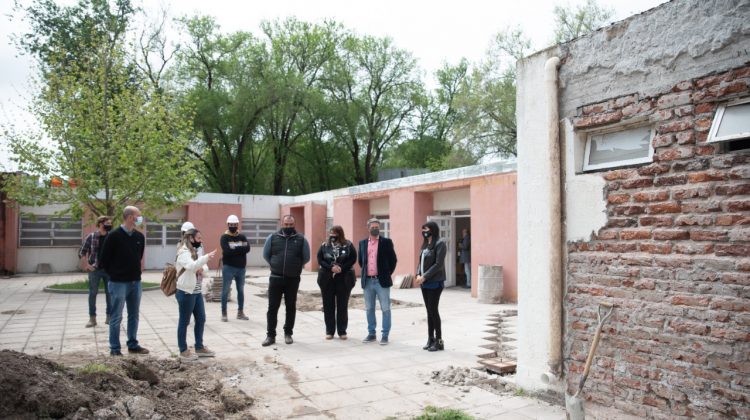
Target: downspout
<point>555,217</point>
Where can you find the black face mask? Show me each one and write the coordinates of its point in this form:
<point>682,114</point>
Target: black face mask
<point>288,231</point>
<point>374,231</point>
<point>196,244</point>
<point>233,229</point>
<point>426,234</point>
<point>333,238</point>
<point>107,227</point>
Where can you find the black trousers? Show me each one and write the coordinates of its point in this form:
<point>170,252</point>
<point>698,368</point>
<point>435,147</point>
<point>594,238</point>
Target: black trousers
<point>431,301</point>
<point>278,286</point>
<point>335,293</point>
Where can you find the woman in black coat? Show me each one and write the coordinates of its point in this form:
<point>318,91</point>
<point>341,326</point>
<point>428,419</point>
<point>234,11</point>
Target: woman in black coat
<point>431,278</point>
<point>336,279</point>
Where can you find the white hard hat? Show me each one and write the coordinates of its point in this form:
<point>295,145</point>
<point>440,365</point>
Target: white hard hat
<point>232,219</point>
<point>186,227</point>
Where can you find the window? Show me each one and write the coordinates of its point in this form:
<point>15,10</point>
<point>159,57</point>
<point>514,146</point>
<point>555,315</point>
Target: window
<point>49,231</point>
<point>257,230</point>
<point>385,225</point>
<point>618,148</point>
<point>163,234</point>
<point>731,122</point>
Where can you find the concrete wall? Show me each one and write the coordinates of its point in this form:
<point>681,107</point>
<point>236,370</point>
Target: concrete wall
<point>452,200</point>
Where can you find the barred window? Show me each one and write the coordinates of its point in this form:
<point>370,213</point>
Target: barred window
<point>257,230</point>
<point>49,231</point>
<point>165,233</point>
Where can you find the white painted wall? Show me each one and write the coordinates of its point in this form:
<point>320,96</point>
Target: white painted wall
<point>534,224</point>
<point>60,259</point>
<point>451,200</point>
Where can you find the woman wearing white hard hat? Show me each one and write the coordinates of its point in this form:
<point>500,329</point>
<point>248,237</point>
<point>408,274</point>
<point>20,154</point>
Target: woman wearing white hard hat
<point>234,248</point>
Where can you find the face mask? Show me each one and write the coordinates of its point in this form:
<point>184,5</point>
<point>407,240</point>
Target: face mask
<point>288,231</point>
<point>107,227</point>
<point>426,234</point>
<point>374,231</point>
<point>196,244</point>
<point>333,238</point>
<point>139,220</point>
<point>233,229</point>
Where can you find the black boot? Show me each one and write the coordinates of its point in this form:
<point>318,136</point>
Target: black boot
<point>429,343</point>
<point>437,345</point>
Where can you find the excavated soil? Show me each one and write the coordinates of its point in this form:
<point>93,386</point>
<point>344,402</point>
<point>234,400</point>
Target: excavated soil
<point>115,388</point>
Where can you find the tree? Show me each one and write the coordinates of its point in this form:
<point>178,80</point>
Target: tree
<point>570,23</point>
<point>373,88</point>
<point>224,78</point>
<point>111,136</point>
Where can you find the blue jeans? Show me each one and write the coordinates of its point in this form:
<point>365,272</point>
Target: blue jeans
<point>190,304</point>
<point>467,270</point>
<point>374,289</point>
<point>227,274</point>
<point>124,293</point>
<point>95,278</point>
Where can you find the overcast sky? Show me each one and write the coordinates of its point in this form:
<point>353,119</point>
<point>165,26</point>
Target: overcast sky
<point>435,31</point>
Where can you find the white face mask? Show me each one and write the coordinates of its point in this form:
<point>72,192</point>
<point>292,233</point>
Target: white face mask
<point>138,220</point>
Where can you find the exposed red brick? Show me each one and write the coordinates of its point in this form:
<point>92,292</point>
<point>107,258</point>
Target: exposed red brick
<point>731,304</point>
<point>630,234</point>
<point>618,198</point>
<point>732,249</point>
<point>619,174</point>
<point>674,153</point>
<point>730,334</point>
<point>656,168</point>
<point>693,249</point>
<point>702,124</point>
<point>662,208</point>
<point>669,393</point>
<point>620,247</point>
<point>621,222</point>
<point>638,108</point>
<point>598,119</point>
<point>674,126</point>
<point>701,206</point>
<point>690,300</point>
<point>733,87</point>
<point>738,205</point>
<point>607,234</point>
<point>708,235</point>
<point>673,99</point>
<point>656,248</point>
<point>659,221</point>
<point>646,284</point>
<point>740,172</point>
<point>736,189</point>
<point>662,115</point>
<point>663,140</point>
<point>691,192</point>
<point>690,327</point>
<point>706,176</point>
<point>705,108</point>
<point>684,85</point>
<point>596,108</point>
<point>628,210</point>
<point>626,100</point>
<point>670,235</point>
<point>731,219</point>
<point>683,111</point>
<point>739,235</point>
<point>655,401</point>
<point>706,150</point>
<point>685,137</point>
<point>697,220</point>
<point>649,196</point>
<point>637,183</point>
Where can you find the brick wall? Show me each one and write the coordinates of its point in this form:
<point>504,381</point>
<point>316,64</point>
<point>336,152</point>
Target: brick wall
<point>674,257</point>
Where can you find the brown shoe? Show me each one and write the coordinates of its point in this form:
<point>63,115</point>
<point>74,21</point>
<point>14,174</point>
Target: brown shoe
<point>204,352</point>
<point>188,356</point>
<point>92,322</point>
<point>342,337</point>
<point>138,350</point>
<point>329,336</point>
<point>241,315</point>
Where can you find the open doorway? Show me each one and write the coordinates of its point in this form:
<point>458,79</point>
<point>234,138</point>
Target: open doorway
<point>463,278</point>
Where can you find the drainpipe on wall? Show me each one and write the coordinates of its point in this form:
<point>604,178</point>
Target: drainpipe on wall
<point>555,281</point>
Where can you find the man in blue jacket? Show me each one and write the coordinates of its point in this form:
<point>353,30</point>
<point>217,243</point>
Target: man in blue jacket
<point>377,258</point>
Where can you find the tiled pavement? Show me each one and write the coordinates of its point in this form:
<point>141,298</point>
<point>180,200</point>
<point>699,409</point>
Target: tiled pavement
<point>312,378</point>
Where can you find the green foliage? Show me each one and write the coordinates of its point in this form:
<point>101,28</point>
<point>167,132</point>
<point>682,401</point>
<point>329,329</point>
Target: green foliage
<point>571,23</point>
<point>95,368</point>
<point>435,413</point>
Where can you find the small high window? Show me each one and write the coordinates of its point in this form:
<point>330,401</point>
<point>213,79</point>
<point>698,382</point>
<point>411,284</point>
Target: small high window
<point>618,148</point>
<point>731,122</point>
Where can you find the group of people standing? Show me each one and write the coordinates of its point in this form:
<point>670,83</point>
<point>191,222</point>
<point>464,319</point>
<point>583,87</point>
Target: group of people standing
<point>115,255</point>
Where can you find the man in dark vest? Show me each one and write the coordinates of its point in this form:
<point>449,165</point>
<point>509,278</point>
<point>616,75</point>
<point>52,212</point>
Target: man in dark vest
<point>286,251</point>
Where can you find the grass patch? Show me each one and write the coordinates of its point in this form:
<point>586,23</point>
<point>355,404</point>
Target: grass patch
<point>434,413</point>
<point>84,285</point>
<point>520,392</point>
<point>95,368</point>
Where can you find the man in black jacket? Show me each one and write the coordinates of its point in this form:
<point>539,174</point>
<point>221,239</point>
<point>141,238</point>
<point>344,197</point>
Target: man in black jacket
<point>234,249</point>
<point>286,251</point>
<point>377,258</point>
<point>121,257</point>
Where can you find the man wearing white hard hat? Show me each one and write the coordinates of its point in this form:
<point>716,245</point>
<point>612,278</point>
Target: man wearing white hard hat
<point>234,248</point>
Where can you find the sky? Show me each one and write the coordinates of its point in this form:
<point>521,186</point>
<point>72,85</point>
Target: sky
<point>435,32</point>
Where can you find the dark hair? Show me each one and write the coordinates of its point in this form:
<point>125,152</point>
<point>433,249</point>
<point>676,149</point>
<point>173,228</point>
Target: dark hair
<point>339,231</point>
<point>435,230</point>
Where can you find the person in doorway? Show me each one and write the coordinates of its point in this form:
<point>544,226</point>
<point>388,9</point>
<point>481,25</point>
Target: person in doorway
<point>89,255</point>
<point>286,251</point>
<point>190,266</point>
<point>234,249</point>
<point>465,247</point>
<point>431,277</point>
<point>377,258</point>
<point>336,279</point>
<point>122,253</point>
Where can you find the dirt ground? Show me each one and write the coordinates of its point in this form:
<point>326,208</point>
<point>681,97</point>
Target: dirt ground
<point>115,388</point>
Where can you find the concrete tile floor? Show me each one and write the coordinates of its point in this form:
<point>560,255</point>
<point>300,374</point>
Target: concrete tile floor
<point>317,378</point>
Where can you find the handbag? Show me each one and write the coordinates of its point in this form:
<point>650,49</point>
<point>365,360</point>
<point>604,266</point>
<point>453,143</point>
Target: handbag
<point>169,279</point>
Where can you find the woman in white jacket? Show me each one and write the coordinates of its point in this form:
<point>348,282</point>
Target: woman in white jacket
<point>192,265</point>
